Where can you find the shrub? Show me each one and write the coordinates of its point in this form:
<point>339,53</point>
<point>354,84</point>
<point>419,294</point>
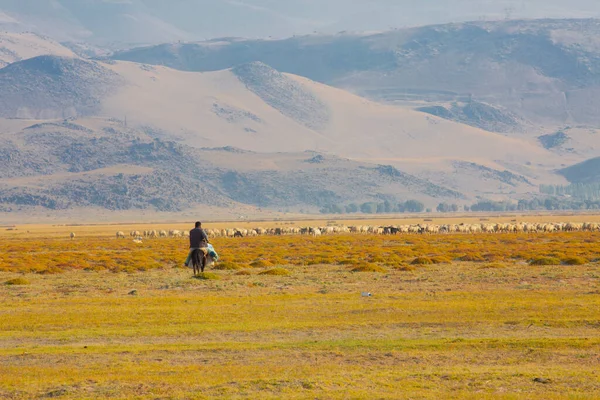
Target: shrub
<point>369,268</point>
<point>432,260</point>
<point>575,261</point>
<point>406,268</point>
<point>490,257</point>
<point>544,261</point>
<point>227,266</point>
<point>208,276</point>
<point>472,258</point>
<point>422,261</point>
<point>260,264</point>
<point>441,260</point>
<point>276,271</point>
<point>243,272</point>
<point>17,282</point>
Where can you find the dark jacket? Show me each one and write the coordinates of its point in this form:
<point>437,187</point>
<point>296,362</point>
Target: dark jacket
<point>198,238</point>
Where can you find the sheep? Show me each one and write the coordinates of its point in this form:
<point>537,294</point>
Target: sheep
<point>72,235</point>
<point>120,235</point>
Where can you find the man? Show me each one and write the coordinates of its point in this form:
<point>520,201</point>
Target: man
<point>198,240</point>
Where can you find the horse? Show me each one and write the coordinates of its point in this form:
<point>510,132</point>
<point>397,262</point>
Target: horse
<point>198,260</point>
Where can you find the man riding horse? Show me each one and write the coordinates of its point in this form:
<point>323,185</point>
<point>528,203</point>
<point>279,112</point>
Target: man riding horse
<point>198,248</point>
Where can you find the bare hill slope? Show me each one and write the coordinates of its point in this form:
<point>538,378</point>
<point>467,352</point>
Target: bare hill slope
<point>20,46</point>
<point>263,110</point>
<point>101,163</point>
<point>162,120</point>
<point>545,71</point>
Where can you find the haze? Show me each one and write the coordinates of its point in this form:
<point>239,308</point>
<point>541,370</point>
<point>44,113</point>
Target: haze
<point>153,21</point>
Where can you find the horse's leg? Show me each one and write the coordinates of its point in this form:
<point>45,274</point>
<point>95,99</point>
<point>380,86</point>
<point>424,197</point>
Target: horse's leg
<point>194,264</point>
<point>203,261</point>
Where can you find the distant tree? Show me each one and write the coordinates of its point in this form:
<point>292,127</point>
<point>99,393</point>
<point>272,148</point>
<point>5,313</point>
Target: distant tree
<point>351,208</point>
<point>387,207</point>
<point>368,208</point>
<point>332,209</point>
<point>414,206</point>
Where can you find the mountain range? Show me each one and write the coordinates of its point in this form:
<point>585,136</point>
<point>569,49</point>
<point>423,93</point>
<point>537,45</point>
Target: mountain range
<point>124,22</point>
<point>451,113</point>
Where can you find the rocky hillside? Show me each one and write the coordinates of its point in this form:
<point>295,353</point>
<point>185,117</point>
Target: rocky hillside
<point>96,163</point>
<point>128,135</point>
<point>585,172</point>
<point>477,114</point>
<point>543,71</point>
<point>47,87</point>
<point>284,94</point>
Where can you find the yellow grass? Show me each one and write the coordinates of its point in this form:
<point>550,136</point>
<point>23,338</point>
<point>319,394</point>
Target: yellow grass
<point>469,329</point>
<point>109,230</point>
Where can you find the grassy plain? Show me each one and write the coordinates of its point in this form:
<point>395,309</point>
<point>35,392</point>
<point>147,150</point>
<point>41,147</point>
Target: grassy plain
<point>102,318</point>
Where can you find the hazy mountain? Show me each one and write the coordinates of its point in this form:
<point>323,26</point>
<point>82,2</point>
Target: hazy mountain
<point>139,136</point>
<point>455,112</point>
<point>47,87</point>
<point>154,21</point>
<point>100,163</point>
<point>19,46</point>
<point>543,71</point>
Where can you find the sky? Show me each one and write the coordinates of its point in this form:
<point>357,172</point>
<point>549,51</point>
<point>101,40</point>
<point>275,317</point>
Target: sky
<point>153,21</point>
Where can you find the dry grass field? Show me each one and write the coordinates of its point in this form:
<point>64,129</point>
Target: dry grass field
<point>450,316</point>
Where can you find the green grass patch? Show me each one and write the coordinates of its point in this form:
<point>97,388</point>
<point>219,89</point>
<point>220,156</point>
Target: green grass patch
<point>17,282</point>
<point>545,261</point>
<point>276,271</point>
<point>431,260</point>
<point>575,261</point>
<point>473,258</point>
<point>369,268</point>
<point>227,266</point>
<point>422,261</point>
<point>260,264</point>
<point>405,268</point>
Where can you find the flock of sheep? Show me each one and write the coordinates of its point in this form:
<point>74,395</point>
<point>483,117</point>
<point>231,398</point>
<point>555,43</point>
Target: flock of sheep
<point>523,227</point>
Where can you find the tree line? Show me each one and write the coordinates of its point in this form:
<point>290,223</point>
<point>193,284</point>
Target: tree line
<point>386,207</point>
<point>415,206</point>
<point>582,191</point>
